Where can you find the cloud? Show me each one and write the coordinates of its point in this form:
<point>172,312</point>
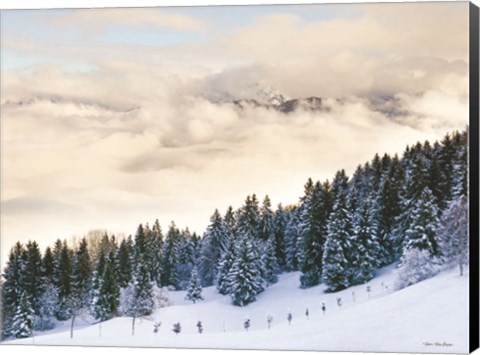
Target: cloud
<point>151,131</point>
<point>97,21</point>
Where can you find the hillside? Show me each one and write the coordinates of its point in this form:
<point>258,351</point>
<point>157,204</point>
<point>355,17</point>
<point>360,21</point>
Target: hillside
<point>431,316</point>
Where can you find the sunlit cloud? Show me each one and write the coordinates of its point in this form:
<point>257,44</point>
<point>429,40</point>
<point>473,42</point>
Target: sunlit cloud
<point>153,131</point>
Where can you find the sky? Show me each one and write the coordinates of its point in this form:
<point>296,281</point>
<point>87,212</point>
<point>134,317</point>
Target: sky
<point>115,117</point>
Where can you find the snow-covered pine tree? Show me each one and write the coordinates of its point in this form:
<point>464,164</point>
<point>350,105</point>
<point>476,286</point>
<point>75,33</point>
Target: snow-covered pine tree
<point>446,163</point>
<point>97,277</point>
<point>137,298</point>
<point>48,303</point>
<point>214,244</point>
<point>81,282</point>
<point>144,302</point>
<point>279,225</point>
<point>376,173</point>
<point>22,323</point>
<point>336,264</point>
<point>48,266</point>
<point>339,185</point>
<point>12,287</point>
<point>230,220</point>
<point>185,260</point>
<point>226,264</point>
<point>461,167</point>
<point>248,219</point>
<point>365,245</point>
<point>292,233</point>
<point>421,234</point>
<point>453,234</point>
<point>154,244</point>
<point>170,252</point>
<point>266,223</point>
<point>140,243</point>
<point>387,209</point>
<point>124,263</point>
<point>109,296</point>
<point>434,174</point>
<point>358,187</point>
<point>416,180</point>
<point>63,280</point>
<point>269,261</point>
<point>313,230</point>
<point>32,276</point>
<point>245,276</point>
<point>44,320</point>
<point>194,290</point>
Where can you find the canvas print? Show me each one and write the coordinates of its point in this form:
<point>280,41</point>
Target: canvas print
<point>286,177</point>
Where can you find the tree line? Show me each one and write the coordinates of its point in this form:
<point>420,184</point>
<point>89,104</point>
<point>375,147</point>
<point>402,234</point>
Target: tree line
<point>410,209</point>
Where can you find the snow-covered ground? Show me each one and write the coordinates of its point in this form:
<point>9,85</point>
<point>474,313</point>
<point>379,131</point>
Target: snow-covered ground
<point>431,316</point>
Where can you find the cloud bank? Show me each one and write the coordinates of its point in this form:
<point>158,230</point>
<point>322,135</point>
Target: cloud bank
<point>152,131</point>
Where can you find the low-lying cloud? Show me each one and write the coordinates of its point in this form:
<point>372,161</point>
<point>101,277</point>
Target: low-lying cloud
<point>156,133</point>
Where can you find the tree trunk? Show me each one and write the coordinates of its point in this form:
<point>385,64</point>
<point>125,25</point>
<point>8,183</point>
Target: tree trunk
<point>133,326</point>
<point>71,326</point>
<point>461,268</point>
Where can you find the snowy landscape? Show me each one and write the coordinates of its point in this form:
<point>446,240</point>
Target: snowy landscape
<point>375,252</point>
<point>436,322</point>
<point>285,177</point>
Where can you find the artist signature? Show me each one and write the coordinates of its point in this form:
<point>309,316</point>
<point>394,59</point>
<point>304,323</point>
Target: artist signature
<point>437,343</point>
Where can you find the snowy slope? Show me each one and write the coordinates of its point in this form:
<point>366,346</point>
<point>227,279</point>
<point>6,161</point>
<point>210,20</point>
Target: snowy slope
<point>431,316</point>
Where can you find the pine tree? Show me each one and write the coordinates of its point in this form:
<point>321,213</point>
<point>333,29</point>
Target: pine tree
<point>81,282</point>
<point>421,233</point>
<point>124,262</point>
<point>339,185</point>
<point>453,234</point>
<point>63,272</point>
<point>48,266</point>
<point>98,276</point>
<point>48,304</point>
<point>279,225</point>
<point>269,261</point>
<point>170,253</point>
<point>336,264</point>
<point>229,220</point>
<point>461,168</point>
<point>140,243</point>
<point>186,260</point>
<point>12,287</point>
<point>364,244</point>
<point>245,276</point>
<point>138,297</point>
<point>416,182</point>
<point>22,324</point>
<point>388,208</point>
<point>144,302</point>
<point>292,234</point>
<point>32,276</point>
<point>446,162</point>
<point>248,220</point>
<point>266,223</point>
<point>194,291</point>
<point>226,264</point>
<point>154,252</point>
<point>313,230</point>
<point>214,244</point>
<point>108,299</point>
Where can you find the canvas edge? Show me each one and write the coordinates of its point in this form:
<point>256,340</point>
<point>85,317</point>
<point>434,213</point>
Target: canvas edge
<point>474,175</point>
